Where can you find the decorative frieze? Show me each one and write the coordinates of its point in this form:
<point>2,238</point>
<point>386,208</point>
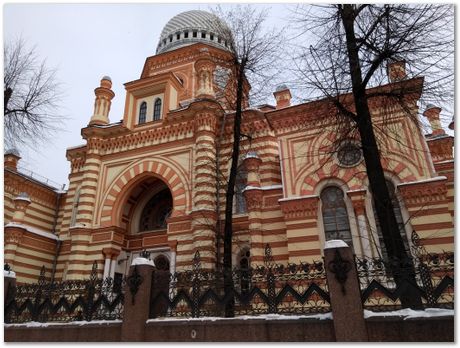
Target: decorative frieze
<point>424,192</point>
<point>300,208</point>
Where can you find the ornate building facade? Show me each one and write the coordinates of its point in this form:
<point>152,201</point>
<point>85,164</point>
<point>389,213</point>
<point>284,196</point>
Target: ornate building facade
<point>156,180</point>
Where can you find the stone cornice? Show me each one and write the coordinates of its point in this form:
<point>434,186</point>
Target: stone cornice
<point>318,113</point>
<point>15,183</point>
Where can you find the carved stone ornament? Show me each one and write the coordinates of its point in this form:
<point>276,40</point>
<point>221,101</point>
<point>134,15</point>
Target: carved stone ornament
<point>340,267</point>
<point>134,282</point>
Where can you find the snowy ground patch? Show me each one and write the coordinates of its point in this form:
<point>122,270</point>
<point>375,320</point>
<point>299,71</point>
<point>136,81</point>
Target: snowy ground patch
<point>75,323</point>
<point>408,313</point>
<point>321,316</point>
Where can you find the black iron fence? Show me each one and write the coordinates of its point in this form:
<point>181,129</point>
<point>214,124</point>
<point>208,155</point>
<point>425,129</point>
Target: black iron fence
<point>433,280</point>
<point>73,300</point>
<point>271,288</point>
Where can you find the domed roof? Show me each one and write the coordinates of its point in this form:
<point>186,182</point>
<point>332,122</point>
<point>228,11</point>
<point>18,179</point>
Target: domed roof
<point>191,27</point>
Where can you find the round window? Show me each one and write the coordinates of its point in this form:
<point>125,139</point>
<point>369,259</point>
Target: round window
<point>349,154</point>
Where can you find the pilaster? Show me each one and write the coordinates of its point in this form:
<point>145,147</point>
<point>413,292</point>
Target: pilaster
<point>204,214</point>
<point>301,217</point>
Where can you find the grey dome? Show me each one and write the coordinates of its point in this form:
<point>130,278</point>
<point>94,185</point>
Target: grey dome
<point>188,28</point>
<point>281,87</point>
<point>13,151</point>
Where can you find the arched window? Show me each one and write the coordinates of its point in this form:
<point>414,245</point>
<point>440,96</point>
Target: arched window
<point>156,211</point>
<point>399,220</point>
<point>142,112</point>
<point>240,184</point>
<point>335,216</point>
<point>157,109</point>
<point>76,201</point>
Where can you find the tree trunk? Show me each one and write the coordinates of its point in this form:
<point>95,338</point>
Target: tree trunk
<point>228,228</point>
<point>401,265</point>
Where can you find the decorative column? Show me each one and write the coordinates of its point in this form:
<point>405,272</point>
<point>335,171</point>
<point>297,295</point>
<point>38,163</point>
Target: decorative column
<point>11,159</point>
<point>204,214</point>
<point>254,201</point>
<point>110,262</point>
<point>396,70</point>
<point>104,96</point>
<point>358,199</point>
<point>252,164</point>
<point>282,96</point>
<point>432,114</point>
<point>204,68</point>
<point>21,202</point>
<point>89,185</point>
<point>172,262</point>
<point>14,230</point>
<point>440,144</point>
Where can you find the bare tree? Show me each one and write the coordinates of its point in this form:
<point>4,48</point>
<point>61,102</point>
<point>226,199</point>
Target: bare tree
<point>31,96</point>
<point>253,56</point>
<point>347,63</point>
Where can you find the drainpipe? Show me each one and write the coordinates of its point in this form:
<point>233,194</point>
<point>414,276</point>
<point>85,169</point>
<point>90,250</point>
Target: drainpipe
<point>58,242</point>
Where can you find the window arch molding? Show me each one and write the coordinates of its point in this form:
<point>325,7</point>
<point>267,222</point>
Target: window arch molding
<point>323,184</point>
<point>395,181</point>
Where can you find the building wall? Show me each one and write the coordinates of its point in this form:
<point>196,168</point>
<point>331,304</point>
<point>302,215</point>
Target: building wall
<point>31,242</point>
<point>288,154</point>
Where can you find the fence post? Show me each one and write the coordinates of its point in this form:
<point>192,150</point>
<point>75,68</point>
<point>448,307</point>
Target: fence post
<point>9,282</point>
<point>344,291</point>
<point>137,300</point>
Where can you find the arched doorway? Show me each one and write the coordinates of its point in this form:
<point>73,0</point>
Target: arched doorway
<point>147,207</point>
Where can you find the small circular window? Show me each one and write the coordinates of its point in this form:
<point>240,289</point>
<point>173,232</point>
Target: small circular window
<point>349,154</point>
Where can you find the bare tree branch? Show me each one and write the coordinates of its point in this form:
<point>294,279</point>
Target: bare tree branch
<point>31,97</point>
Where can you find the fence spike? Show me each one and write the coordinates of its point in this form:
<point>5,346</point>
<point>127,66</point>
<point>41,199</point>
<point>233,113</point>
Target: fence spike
<point>268,257</point>
<point>93,275</point>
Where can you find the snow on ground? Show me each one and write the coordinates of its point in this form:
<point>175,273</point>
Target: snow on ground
<point>321,316</point>
<point>408,313</point>
<point>77,323</point>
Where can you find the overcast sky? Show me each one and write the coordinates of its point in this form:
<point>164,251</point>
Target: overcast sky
<point>85,42</point>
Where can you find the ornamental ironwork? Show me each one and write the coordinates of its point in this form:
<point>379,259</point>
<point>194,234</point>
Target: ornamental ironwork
<point>434,280</point>
<point>269,288</point>
<point>134,281</point>
<point>66,301</point>
<point>340,267</point>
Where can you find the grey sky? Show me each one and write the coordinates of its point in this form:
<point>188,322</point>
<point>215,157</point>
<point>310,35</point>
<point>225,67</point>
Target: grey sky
<point>85,42</point>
